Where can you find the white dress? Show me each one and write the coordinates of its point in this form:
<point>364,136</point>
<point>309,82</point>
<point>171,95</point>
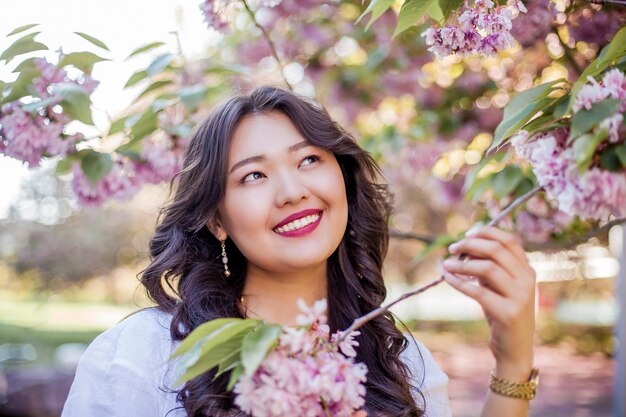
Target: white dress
<point>125,373</point>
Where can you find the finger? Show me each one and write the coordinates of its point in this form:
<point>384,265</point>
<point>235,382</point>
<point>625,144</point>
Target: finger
<point>490,249</point>
<point>489,273</point>
<point>509,240</point>
<point>494,305</point>
<point>360,413</point>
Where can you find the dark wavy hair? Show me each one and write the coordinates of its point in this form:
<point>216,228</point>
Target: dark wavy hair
<point>185,276</point>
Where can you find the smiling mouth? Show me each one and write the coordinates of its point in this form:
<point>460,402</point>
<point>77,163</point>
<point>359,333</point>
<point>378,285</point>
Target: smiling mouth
<point>298,224</point>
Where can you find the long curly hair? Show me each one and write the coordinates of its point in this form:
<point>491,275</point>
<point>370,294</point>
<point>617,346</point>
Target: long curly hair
<point>185,277</point>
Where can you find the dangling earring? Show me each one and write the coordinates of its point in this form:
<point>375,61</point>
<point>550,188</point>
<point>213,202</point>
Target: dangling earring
<point>225,259</point>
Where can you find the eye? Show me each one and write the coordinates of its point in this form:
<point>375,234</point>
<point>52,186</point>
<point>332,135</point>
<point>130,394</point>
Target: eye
<point>313,158</point>
<point>252,174</point>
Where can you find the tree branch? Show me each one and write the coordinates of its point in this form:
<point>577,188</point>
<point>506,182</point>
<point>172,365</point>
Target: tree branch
<point>610,2</point>
<point>266,35</point>
<point>575,241</point>
<point>383,309</point>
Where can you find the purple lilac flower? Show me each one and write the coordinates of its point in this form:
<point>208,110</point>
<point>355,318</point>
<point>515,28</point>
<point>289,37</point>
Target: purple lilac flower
<point>482,29</point>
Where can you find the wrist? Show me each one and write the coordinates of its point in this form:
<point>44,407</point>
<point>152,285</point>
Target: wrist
<point>514,371</point>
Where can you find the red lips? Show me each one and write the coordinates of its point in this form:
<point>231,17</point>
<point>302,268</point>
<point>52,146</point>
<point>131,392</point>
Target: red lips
<point>297,216</point>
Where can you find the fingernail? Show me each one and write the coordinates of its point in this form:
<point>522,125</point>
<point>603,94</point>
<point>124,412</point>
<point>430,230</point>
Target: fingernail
<point>451,278</point>
<point>449,263</point>
<point>453,246</point>
<point>472,232</point>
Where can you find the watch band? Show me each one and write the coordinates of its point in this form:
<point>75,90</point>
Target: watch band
<point>523,390</point>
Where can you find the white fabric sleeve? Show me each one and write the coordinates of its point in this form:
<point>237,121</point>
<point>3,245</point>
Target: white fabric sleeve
<point>428,378</point>
<point>121,373</point>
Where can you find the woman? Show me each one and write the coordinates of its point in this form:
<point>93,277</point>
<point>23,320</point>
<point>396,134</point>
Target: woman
<point>276,202</point>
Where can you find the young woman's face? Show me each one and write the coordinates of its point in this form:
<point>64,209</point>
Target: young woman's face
<point>274,174</point>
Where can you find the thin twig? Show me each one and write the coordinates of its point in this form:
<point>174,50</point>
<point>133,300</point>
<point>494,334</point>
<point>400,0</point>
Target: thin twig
<point>573,242</point>
<point>414,236</point>
<point>266,35</point>
<point>383,309</point>
<point>567,52</point>
<point>610,2</point>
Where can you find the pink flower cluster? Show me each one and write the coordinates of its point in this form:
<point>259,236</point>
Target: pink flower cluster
<point>213,12</point>
<point>161,160</point>
<point>307,374</point>
<point>594,194</point>
<point>31,135</point>
<point>483,29</point>
<point>612,86</point>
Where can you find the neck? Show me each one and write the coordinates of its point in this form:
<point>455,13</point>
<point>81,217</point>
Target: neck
<point>273,296</point>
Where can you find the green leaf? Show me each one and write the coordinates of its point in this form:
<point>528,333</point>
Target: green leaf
<point>160,63</point>
<point>475,186</point>
<point>440,241</point>
<point>23,45</point>
<point>229,362</point>
<point>81,60</point>
<point>96,165</point>
<point>256,346</point>
<point>609,54</point>
<point>521,109</point>
<point>146,124</point>
<point>193,95</point>
<point>584,120</point>
<point>441,10</point>
<point>64,165</point>
<point>145,48</point>
<point>135,78</point>
<point>609,159</point>
<point>435,12</point>
<point>507,180</point>
<point>620,151</point>
<point>585,148</point>
<point>39,104</point>
<point>19,88</point>
<point>410,12</point>
<point>117,125</point>
<point>448,6</point>
<point>75,101</point>
<point>154,86</point>
<point>201,332</point>
<point>22,29</point>
<point>216,347</point>
<point>234,376</point>
<point>27,64</point>
<point>376,8</point>
<point>93,40</point>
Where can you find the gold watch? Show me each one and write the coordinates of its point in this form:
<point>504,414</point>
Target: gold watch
<point>523,390</point>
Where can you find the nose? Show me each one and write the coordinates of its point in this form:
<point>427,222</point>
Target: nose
<point>290,189</point>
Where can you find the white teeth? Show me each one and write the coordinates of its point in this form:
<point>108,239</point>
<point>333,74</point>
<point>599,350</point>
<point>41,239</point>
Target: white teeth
<point>298,224</point>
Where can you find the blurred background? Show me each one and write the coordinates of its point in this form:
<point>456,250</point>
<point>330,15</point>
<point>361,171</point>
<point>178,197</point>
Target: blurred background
<point>68,272</point>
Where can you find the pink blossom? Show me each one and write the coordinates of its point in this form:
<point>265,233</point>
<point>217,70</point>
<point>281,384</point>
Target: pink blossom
<point>120,183</point>
<point>593,194</point>
<point>30,137</point>
<point>305,375</point>
<point>213,12</point>
<point>588,95</point>
<point>482,29</point>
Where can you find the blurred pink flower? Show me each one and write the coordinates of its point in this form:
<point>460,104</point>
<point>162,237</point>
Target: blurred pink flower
<point>29,137</point>
<point>213,12</point>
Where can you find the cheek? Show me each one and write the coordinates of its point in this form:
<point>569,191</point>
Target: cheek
<point>245,211</point>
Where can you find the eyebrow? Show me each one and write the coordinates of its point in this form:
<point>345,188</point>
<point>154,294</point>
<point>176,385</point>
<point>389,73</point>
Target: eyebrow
<point>259,158</point>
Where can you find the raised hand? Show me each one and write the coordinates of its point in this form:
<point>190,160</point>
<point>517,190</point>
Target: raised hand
<point>505,289</point>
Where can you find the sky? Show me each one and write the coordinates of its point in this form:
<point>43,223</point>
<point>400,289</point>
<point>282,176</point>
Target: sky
<point>122,26</point>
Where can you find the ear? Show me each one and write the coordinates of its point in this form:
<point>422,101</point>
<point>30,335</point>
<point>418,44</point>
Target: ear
<point>215,227</point>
